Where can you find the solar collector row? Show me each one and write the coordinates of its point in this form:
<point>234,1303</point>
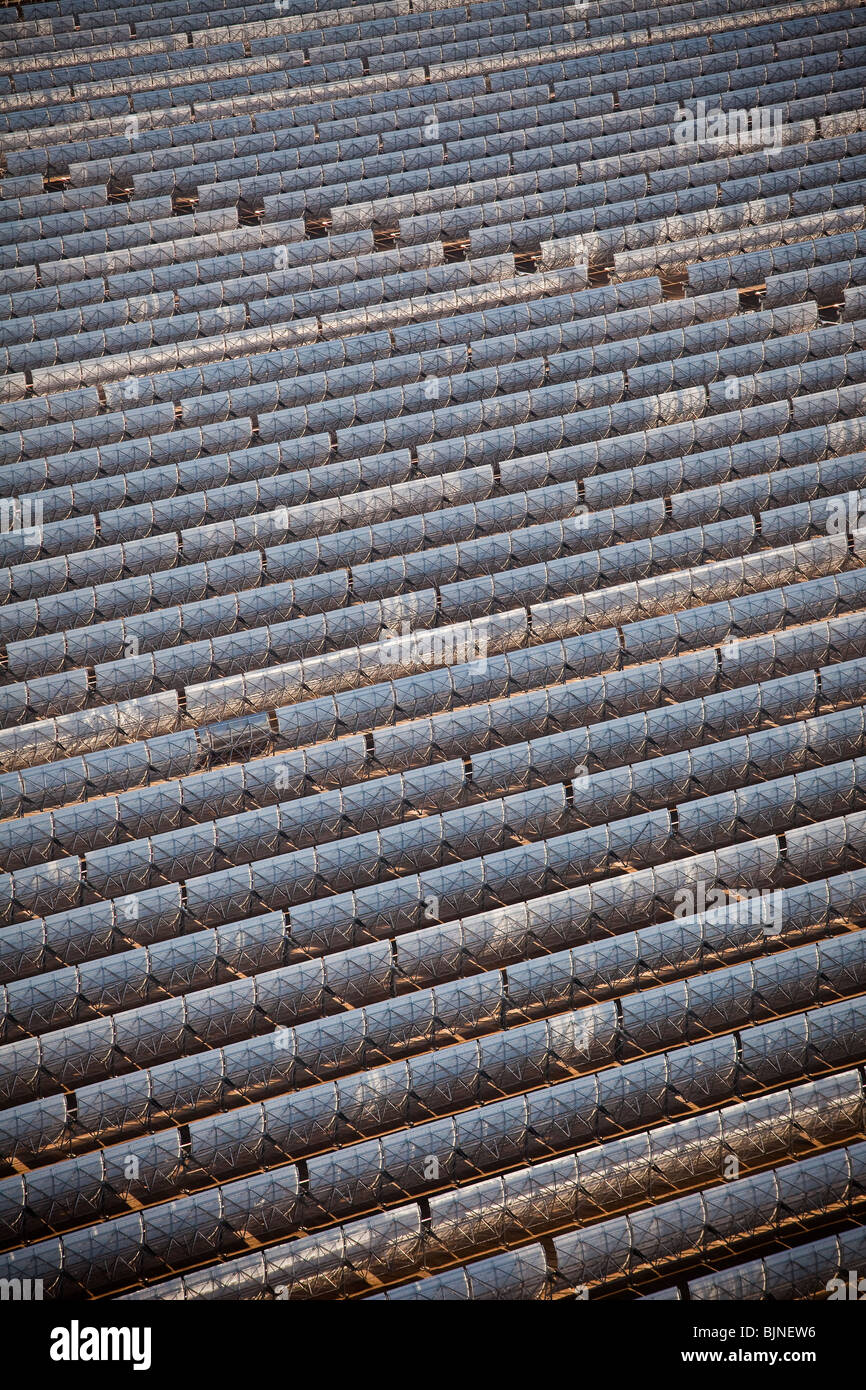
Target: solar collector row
<point>385,1171</point>
<point>621,487</point>
<point>651,183</point>
<point>805,1272</point>
<point>447,376</point>
<point>386,1247</point>
<point>322,1049</point>
<point>181,657</point>
<point>643,639</point>
<point>547,808</point>
<point>231,790</point>
<point>444,734</point>
<point>157,126</point>
<point>406,866</point>
<point>227,990</point>
<point>34,1203</point>
<point>560,314</point>
<point>439,447</point>
<point>219,859</point>
<point>499,78</point>
<point>782,1201</point>
<point>546,1050</point>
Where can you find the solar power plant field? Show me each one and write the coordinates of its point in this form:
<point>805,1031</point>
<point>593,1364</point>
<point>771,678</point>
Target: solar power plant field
<point>432,681</point>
